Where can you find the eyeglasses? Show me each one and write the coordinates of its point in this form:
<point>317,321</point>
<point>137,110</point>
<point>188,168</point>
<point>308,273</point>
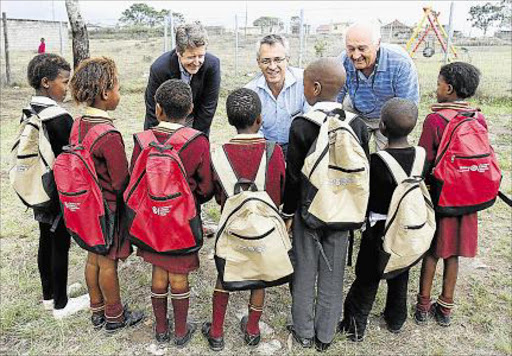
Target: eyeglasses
<point>268,61</point>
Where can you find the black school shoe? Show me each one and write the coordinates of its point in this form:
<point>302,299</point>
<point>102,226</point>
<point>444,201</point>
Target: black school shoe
<point>441,319</point>
<point>131,318</point>
<point>421,317</point>
<point>216,344</point>
<point>165,336</point>
<point>250,340</point>
<point>98,321</point>
<point>351,331</point>
<point>321,346</point>
<point>305,342</point>
<point>181,342</point>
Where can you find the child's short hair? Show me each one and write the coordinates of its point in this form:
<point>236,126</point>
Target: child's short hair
<point>175,98</point>
<point>463,77</point>
<point>92,77</point>
<point>45,65</point>
<point>243,106</point>
<point>400,116</point>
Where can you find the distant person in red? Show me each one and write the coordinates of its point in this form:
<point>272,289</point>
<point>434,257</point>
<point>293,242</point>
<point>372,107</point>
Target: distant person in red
<point>42,46</point>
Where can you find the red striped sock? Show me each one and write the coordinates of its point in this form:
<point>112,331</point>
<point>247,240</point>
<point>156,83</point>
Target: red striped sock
<point>114,313</point>
<point>180,303</point>
<point>253,327</point>
<point>159,302</point>
<point>220,304</point>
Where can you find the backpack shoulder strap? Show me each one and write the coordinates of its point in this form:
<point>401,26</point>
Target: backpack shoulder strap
<point>224,171</point>
<point>447,114</point>
<point>261,174</point>
<point>95,133</point>
<point>394,167</point>
<point>181,137</point>
<point>144,138</point>
<point>315,116</point>
<point>419,161</point>
<point>51,112</point>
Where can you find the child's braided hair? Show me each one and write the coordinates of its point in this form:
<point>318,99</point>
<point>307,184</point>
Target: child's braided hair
<point>464,78</point>
<point>92,77</point>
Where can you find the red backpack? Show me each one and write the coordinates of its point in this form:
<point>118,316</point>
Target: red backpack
<point>161,209</point>
<point>86,214</point>
<point>466,172</point>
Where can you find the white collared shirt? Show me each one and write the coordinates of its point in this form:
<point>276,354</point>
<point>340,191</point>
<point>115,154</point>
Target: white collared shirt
<point>278,112</point>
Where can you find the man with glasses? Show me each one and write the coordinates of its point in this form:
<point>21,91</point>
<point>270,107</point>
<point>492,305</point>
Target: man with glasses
<point>376,72</point>
<point>189,62</point>
<point>279,87</point>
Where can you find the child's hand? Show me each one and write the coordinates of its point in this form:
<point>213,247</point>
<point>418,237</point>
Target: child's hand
<point>288,224</point>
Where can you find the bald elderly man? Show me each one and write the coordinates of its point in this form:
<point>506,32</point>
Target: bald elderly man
<point>376,72</point>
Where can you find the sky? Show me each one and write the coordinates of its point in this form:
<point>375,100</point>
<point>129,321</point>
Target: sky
<point>223,12</point>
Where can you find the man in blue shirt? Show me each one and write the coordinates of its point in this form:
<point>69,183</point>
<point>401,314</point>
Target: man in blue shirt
<point>375,73</point>
<point>279,87</point>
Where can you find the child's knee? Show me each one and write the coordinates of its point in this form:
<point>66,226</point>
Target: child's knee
<point>178,281</point>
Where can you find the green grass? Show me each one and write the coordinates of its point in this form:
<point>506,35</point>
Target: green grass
<point>483,314</point>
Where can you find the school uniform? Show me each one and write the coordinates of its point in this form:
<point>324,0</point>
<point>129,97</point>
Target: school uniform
<point>53,251</point>
<point>314,314</point>
<point>455,235</point>
<point>360,298</point>
<point>244,153</point>
<point>195,156</point>
<point>111,166</point>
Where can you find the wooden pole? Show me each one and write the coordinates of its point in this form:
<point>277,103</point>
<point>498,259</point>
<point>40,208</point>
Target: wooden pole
<point>6,48</point>
<point>236,45</point>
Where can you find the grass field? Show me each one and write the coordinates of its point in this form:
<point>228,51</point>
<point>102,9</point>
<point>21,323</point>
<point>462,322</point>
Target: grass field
<point>482,321</point>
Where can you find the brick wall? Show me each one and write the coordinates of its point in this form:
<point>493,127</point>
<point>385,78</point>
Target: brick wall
<point>25,35</point>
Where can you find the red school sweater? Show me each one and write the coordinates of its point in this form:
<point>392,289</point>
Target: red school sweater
<point>244,153</point>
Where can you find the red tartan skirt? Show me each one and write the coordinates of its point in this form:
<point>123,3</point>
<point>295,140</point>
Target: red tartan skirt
<point>173,264</point>
<point>456,236</point>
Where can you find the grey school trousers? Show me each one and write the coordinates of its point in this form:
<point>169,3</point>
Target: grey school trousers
<point>317,311</point>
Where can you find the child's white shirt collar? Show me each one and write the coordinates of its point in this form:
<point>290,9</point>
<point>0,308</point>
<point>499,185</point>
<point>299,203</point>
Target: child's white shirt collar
<point>326,106</point>
<point>169,125</point>
<point>43,101</point>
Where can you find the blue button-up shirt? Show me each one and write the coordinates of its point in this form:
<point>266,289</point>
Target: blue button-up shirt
<point>394,76</point>
<point>185,76</point>
<point>278,112</point>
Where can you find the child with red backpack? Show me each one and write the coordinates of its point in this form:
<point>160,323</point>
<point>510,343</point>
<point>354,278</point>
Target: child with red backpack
<point>171,162</point>
<point>95,84</point>
<point>464,151</point>
<point>244,152</point>
<point>49,75</point>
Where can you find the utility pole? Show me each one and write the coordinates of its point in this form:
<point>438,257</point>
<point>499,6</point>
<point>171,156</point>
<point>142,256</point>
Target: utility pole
<point>166,21</point>
<point>301,37</point>
<point>6,48</point>
<point>245,30</point>
<point>173,37</point>
<point>236,45</point>
<point>450,34</point>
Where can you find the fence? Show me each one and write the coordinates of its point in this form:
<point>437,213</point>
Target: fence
<point>235,45</point>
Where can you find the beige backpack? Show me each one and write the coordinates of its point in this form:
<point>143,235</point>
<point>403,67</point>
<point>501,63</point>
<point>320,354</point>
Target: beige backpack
<point>252,244</point>
<point>410,223</point>
<point>336,179</point>
<point>32,159</point>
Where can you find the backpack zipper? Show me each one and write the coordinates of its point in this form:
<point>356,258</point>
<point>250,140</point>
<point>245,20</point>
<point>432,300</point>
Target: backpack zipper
<point>470,157</point>
<point>449,141</point>
<point>336,168</point>
<point>167,197</point>
<point>135,185</point>
<point>252,237</point>
<point>73,194</point>
<point>416,186</point>
<point>240,207</point>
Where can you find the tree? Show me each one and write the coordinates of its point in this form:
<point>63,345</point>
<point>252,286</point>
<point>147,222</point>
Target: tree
<point>506,14</point>
<point>79,32</point>
<point>140,14</point>
<point>269,24</point>
<point>484,16</point>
